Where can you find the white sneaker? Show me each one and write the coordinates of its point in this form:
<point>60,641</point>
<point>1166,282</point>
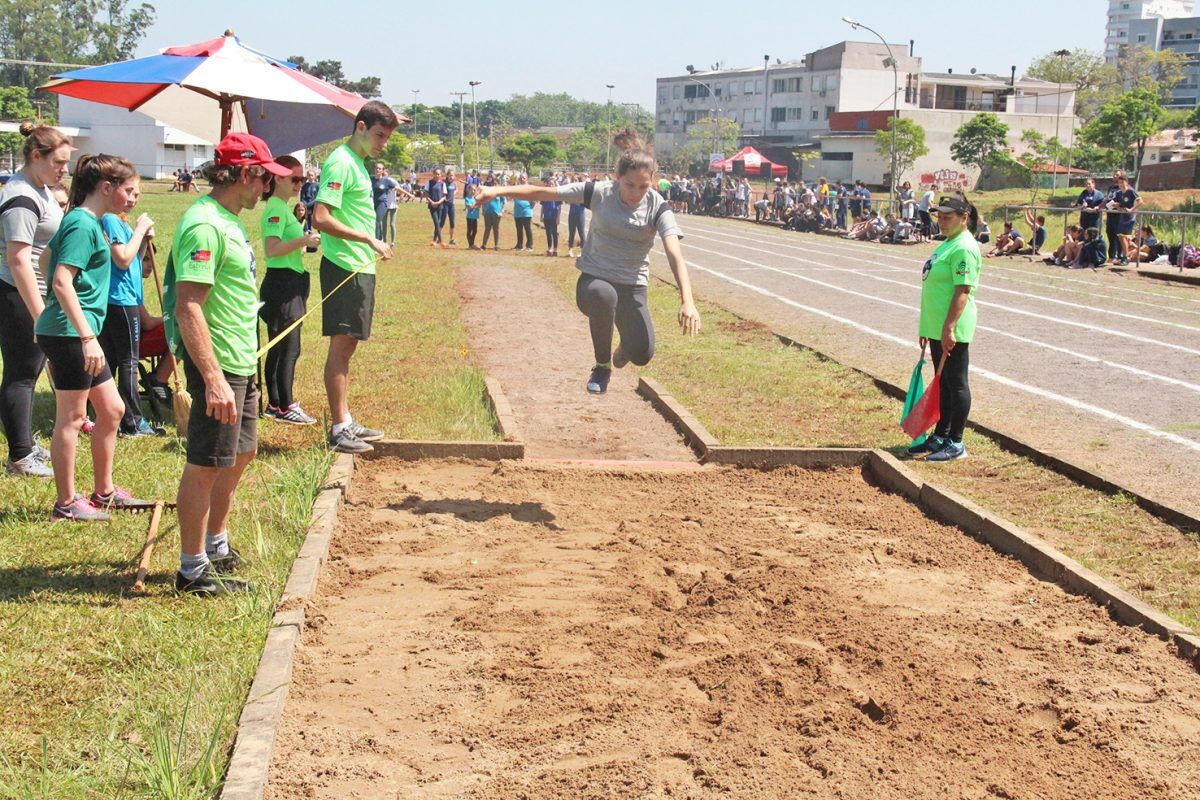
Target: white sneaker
<point>32,466</point>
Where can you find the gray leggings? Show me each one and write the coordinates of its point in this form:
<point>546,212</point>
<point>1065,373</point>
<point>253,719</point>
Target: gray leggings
<point>621,304</point>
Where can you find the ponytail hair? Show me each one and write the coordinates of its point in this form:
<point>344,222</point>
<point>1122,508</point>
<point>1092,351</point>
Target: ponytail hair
<point>972,217</point>
<point>40,139</point>
<point>635,153</point>
<point>91,171</point>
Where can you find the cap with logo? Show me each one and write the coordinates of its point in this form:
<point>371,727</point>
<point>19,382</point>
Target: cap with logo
<point>952,205</point>
<point>246,149</point>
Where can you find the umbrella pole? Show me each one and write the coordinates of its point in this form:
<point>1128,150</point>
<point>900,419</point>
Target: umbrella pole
<point>226,115</point>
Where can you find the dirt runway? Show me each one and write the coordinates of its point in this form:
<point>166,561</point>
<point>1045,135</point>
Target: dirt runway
<point>529,631</point>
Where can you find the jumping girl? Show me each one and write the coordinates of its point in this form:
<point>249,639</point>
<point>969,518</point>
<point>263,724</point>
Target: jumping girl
<point>615,264</point>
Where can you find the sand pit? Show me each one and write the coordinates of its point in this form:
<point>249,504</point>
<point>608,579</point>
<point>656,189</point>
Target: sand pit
<point>527,631</point>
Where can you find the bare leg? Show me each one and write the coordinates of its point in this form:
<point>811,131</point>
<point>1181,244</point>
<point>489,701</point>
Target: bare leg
<point>70,407</point>
<point>192,503</point>
<point>109,408</point>
<point>221,494</point>
<point>337,376</point>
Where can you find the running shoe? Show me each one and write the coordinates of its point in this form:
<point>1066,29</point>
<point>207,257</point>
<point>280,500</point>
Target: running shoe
<point>210,583</point>
<point>271,412</point>
<point>118,498</point>
<point>619,359</point>
<point>598,380</point>
<point>79,509</point>
<point>88,426</point>
<point>231,562</point>
<point>453,243</point>
<point>31,466</point>
<point>294,411</point>
<point>528,249</point>
<point>930,445</point>
<point>365,433</point>
<point>951,452</point>
<point>160,392</point>
<point>143,428</point>
<point>346,442</point>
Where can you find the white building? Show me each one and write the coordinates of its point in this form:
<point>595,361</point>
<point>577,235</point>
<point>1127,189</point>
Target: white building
<point>1122,12</point>
<point>155,149</point>
<point>785,103</point>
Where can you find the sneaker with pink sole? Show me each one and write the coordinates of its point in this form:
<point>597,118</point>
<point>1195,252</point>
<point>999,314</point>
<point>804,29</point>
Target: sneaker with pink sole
<point>118,498</point>
<point>80,509</point>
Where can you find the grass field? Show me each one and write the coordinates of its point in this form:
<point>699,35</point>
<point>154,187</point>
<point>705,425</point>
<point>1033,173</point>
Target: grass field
<point>94,682</point>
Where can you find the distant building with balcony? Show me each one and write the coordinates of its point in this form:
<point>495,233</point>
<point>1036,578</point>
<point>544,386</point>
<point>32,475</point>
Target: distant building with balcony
<point>1123,13</point>
<point>1180,36</point>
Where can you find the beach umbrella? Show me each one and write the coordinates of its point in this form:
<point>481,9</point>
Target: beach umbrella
<point>221,85</point>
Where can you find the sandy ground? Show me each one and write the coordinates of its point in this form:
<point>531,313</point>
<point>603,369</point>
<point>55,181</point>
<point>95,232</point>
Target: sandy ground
<point>525,334</point>
<point>529,631</point>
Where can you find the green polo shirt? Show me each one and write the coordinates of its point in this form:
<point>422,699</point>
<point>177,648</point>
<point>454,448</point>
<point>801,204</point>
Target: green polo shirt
<point>79,243</point>
<point>346,189</point>
<point>956,262</point>
<point>211,247</point>
<point>279,221</point>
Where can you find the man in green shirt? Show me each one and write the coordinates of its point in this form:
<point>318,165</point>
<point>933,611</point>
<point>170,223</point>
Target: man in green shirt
<point>210,311</point>
<point>345,215</point>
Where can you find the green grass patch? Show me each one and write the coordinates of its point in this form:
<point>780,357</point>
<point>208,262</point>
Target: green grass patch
<point>105,695</point>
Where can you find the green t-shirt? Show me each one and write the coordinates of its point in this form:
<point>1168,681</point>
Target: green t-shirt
<point>211,247</point>
<point>279,221</point>
<point>346,189</point>
<point>79,243</point>
<point>954,263</point>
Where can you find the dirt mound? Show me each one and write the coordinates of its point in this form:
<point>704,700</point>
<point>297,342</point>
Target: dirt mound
<point>520,631</point>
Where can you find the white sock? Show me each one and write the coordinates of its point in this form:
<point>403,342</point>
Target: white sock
<point>341,426</point>
<point>216,545</point>
<point>192,567</point>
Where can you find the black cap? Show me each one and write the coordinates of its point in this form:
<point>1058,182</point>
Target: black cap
<point>953,205</point>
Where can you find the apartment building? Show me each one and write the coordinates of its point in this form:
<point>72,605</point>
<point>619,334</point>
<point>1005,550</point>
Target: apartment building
<point>1123,13</point>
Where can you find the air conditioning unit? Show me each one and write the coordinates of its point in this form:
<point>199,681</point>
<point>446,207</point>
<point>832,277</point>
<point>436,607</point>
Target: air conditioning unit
<point>822,93</point>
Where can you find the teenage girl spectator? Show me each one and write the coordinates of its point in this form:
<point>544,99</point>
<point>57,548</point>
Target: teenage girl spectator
<point>380,185</point>
<point>1112,220</point>
<point>1008,242</point>
<point>1092,253</point>
<point>435,197</point>
<point>308,196</point>
<point>575,227</point>
<point>550,210</point>
<point>29,217</point>
<point>615,266</point>
<point>121,336</point>
<point>448,206</point>
<point>1123,204</point>
<point>493,209</point>
<point>284,292</point>
<point>762,208</point>
<point>923,215</point>
<point>1090,203</point>
<point>1068,251</point>
<point>76,305</point>
<point>523,217</point>
<point>983,233</point>
<point>472,213</point>
<point>1038,226</point>
<point>1146,246</point>
<point>185,181</point>
<point>947,324</point>
<point>908,204</point>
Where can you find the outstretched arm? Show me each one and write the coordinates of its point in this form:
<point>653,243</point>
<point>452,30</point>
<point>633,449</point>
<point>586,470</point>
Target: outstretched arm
<point>522,192</point>
<point>689,317</point>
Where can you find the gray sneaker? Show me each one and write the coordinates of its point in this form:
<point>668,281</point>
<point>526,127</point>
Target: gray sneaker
<point>365,433</point>
<point>347,442</point>
<point>32,466</point>
<point>78,510</point>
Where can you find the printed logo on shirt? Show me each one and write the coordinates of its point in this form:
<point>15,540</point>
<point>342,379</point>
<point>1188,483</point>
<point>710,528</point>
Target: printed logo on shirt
<point>962,268</point>
<point>272,220</point>
<point>925,269</point>
<point>334,185</point>
<point>201,255</point>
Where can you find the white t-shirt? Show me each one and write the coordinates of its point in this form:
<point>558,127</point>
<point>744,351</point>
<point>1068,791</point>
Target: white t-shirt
<point>31,216</point>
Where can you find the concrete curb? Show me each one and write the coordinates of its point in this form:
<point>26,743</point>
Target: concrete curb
<point>416,450</point>
<point>807,457</point>
<point>1076,472</point>
<point>694,433</point>
<point>246,778</point>
<point>1169,277</point>
<point>506,420</point>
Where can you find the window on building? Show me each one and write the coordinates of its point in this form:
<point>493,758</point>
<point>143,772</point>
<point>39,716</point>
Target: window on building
<point>831,83</point>
<point>829,111</point>
<point>796,114</point>
<point>758,87</point>
<point>816,114</point>
<point>675,92</point>
<point>828,156</point>
<point>779,85</point>
<point>758,115</point>
<point>749,87</point>
<point>795,84</point>
<point>778,114</point>
<point>818,83</point>
<point>733,88</point>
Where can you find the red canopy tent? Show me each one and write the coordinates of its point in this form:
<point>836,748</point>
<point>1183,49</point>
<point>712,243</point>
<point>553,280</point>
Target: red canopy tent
<point>753,162</point>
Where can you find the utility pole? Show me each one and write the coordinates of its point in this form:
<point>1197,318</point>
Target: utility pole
<point>766,94</point>
<point>462,164</point>
<point>1062,66</point>
<point>475,120</point>
<point>895,95</point>
<point>414,106</point>
<point>608,159</point>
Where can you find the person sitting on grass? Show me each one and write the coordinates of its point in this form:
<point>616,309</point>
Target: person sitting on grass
<point>1038,227</point>
<point>615,265</point>
<point>876,226</point>
<point>861,229</point>
<point>983,234</point>
<point>1068,251</point>
<point>1008,242</point>
<point>1146,246</point>
<point>80,269</point>
<point>1092,253</point>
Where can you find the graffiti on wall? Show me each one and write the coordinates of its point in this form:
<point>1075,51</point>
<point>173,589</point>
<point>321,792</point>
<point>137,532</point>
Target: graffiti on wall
<point>945,180</point>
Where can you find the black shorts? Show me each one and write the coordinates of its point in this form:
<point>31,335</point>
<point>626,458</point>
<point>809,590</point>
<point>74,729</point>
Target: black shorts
<point>349,311</point>
<point>284,295</point>
<point>65,354</point>
<point>211,443</point>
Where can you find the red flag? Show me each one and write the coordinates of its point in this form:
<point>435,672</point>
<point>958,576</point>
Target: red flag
<point>926,413</point>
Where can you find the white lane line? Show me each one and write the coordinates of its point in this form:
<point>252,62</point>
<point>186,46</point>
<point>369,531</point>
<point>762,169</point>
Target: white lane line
<point>847,248</point>
<point>982,303</point>
<point>983,373</point>
<point>1024,339</point>
<point>992,287</point>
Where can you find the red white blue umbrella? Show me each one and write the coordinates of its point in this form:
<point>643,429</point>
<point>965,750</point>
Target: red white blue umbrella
<point>214,87</point>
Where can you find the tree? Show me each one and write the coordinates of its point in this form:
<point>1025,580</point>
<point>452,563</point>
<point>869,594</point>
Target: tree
<point>14,106</point>
<point>910,144</point>
<point>1085,70</point>
<point>331,71</point>
<point>980,142</point>
<point>706,136</point>
<point>1039,156</point>
<point>396,154</point>
<point>529,151</point>
<point>587,147</point>
<point>1126,122</point>
<point>427,151</point>
<point>1158,71</point>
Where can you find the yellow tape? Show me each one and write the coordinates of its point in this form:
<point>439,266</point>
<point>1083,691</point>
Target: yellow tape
<point>263,351</point>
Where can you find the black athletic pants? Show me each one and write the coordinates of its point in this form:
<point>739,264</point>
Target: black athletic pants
<point>472,230</point>
<point>23,362</point>
<point>574,228</point>
<point>285,298</point>
<point>1111,223</point>
<point>524,232</point>
<point>491,225</point>
<point>435,212</point>
<point>119,339</point>
<point>624,305</point>
<point>956,393</point>
<point>551,234</point>
<point>279,371</point>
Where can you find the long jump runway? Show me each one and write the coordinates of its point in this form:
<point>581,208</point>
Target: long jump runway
<point>1101,368</point>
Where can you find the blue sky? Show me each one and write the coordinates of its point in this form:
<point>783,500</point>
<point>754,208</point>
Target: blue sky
<point>524,47</point>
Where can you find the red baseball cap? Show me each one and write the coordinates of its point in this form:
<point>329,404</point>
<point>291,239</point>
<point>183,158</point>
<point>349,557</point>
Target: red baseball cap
<point>244,149</point>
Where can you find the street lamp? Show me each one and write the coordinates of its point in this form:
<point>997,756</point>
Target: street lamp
<point>766,95</point>
<point>608,158</point>
<point>415,92</point>
<point>895,92</point>
<point>1062,55</point>
<point>475,120</point>
<point>462,164</point>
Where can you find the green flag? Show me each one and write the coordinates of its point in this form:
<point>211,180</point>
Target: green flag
<point>916,388</point>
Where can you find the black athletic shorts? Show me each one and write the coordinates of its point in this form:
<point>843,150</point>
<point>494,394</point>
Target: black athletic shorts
<point>284,295</point>
<point>350,309</point>
<point>214,444</point>
<point>65,354</point>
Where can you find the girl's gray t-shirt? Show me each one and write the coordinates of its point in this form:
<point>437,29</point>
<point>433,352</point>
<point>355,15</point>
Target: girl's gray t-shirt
<point>619,238</point>
<point>20,223</point>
